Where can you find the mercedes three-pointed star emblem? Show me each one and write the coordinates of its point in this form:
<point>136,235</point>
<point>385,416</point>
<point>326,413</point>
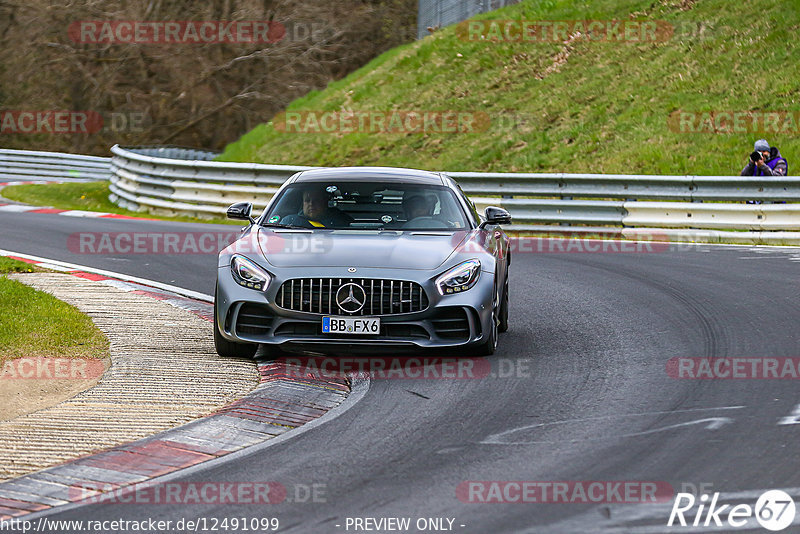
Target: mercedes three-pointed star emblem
<point>351,297</point>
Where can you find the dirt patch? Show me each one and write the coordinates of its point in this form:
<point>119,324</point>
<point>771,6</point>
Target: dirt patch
<point>21,396</point>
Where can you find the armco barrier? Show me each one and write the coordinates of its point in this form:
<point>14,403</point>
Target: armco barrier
<point>632,187</point>
<point>180,181</point>
<point>26,165</point>
<point>150,178</point>
<point>713,216</point>
<point>144,179</point>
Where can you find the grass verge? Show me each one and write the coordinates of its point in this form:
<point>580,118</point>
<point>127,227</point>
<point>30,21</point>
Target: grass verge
<point>567,106</point>
<point>8,265</point>
<point>35,324</point>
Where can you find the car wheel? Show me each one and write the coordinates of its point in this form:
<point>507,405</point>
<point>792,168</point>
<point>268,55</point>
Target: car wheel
<point>230,349</point>
<point>503,326</point>
<point>490,345</point>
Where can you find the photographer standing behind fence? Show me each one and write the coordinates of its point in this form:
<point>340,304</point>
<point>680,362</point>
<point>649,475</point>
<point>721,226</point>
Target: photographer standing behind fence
<point>765,161</point>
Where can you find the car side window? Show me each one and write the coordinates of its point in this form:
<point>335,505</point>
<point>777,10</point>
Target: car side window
<point>476,218</point>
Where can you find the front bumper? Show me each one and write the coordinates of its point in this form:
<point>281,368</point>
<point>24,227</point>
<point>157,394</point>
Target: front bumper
<point>458,320</point>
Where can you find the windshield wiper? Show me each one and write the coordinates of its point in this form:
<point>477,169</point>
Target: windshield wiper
<point>279,225</point>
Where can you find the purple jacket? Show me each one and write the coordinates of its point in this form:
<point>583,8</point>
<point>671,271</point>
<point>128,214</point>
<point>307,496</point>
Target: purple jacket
<point>777,166</point>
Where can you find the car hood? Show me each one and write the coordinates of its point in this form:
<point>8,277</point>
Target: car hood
<point>396,250</point>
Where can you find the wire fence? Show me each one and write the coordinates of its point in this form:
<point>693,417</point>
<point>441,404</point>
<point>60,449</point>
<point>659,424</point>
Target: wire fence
<point>436,14</point>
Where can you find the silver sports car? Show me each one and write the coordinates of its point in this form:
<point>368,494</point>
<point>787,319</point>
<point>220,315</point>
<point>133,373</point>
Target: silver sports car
<point>364,260</point>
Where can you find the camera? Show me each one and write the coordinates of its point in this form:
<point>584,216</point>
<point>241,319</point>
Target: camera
<point>756,156</point>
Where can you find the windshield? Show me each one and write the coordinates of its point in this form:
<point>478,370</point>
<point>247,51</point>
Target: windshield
<point>343,205</point>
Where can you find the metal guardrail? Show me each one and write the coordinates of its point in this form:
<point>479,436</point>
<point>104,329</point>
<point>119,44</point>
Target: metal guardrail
<point>595,203</point>
<point>177,152</point>
<point>198,188</point>
<point>626,186</point>
<point>183,181</point>
<point>27,165</point>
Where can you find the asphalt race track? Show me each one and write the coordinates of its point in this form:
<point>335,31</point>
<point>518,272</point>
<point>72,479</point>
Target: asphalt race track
<point>58,237</point>
<point>588,396</point>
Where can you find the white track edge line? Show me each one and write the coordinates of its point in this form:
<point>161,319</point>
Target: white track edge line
<point>111,274</point>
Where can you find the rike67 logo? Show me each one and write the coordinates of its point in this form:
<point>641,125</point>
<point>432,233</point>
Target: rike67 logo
<point>774,510</point>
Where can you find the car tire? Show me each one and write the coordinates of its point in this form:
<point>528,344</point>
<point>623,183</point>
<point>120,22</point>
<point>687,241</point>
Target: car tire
<point>270,353</point>
<point>230,349</point>
<point>503,326</point>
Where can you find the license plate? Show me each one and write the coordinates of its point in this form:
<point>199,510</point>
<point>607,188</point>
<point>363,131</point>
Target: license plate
<point>351,325</point>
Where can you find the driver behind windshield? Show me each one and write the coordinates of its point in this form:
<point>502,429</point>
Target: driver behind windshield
<point>417,206</point>
<point>317,213</point>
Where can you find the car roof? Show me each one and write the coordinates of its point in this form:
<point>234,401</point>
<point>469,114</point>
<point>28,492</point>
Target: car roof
<point>370,174</point>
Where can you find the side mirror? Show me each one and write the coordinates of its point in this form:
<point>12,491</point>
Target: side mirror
<point>241,211</point>
<point>495,215</point>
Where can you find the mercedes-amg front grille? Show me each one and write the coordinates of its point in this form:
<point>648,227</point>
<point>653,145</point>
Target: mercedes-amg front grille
<point>351,296</point>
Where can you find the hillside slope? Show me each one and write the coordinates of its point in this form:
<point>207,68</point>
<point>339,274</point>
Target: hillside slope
<point>577,105</point>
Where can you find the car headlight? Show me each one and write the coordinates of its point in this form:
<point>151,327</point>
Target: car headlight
<point>248,274</point>
<point>460,278</point>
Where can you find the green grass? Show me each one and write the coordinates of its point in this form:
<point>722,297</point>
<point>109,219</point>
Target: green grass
<point>605,109</point>
<point>35,324</point>
<point>86,196</point>
<point>7,265</point>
